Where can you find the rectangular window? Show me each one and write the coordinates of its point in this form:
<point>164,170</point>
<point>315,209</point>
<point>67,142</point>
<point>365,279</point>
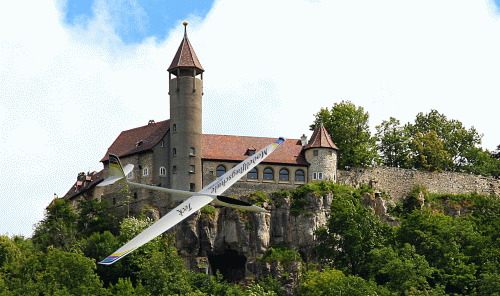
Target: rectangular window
<point>174,169</point>
<point>320,176</point>
<point>191,169</point>
<point>174,151</point>
<point>315,152</point>
<point>191,151</point>
<point>130,175</point>
<point>174,128</point>
<point>162,144</point>
<point>145,172</point>
<point>192,187</point>
<point>315,176</point>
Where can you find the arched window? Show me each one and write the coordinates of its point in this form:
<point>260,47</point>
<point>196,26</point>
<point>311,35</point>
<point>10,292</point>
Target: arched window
<point>163,171</point>
<point>284,175</point>
<point>300,176</point>
<point>253,174</point>
<point>221,170</point>
<point>268,174</point>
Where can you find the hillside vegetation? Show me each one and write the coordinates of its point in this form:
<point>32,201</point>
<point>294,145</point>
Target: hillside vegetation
<point>429,253</point>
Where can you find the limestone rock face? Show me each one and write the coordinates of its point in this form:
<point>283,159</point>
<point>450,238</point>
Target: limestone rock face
<point>234,240</point>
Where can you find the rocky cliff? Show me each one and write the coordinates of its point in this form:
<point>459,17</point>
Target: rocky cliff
<point>232,241</point>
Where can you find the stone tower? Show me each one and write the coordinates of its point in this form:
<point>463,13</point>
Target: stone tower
<point>185,90</point>
<point>321,154</point>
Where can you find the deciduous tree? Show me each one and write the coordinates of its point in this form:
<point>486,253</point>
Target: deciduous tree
<point>349,130</point>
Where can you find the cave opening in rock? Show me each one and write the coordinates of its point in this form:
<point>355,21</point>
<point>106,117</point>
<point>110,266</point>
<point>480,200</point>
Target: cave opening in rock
<point>230,265</point>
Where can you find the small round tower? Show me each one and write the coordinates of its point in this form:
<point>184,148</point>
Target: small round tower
<point>321,154</point>
<point>186,90</point>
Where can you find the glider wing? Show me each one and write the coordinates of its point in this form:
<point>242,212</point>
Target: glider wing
<point>194,203</point>
<point>175,216</point>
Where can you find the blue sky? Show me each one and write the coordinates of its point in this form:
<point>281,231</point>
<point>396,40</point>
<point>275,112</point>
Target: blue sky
<point>74,74</point>
<point>135,21</point>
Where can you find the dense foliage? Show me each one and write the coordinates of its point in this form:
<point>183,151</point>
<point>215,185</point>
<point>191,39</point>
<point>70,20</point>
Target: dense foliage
<point>432,142</point>
<point>349,130</point>
<point>429,253</point>
<point>435,143</point>
<point>61,259</point>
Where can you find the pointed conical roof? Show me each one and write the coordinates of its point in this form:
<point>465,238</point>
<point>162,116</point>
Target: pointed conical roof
<point>320,139</point>
<point>185,57</point>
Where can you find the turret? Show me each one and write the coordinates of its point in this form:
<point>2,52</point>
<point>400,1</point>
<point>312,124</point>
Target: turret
<point>186,90</point>
<point>321,154</point>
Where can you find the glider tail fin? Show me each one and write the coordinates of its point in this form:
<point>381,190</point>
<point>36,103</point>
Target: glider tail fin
<point>116,172</point>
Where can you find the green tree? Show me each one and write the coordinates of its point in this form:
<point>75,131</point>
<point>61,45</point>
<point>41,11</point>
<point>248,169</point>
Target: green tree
<point>58,228</point>
<point>393,143</point>
<point>447,244</point>
<point>352,231</point>
<point>455,137</point>
<point>349,130</point>
<point>400,270</point>
<point>429,152</point>
<point>94,216</point>
<point>334,282</point>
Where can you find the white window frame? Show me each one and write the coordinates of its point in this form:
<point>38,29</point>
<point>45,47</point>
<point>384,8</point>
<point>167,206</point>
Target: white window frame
<point>130,175</point>
<point>318,176</point>
<point>145,171</point>
<point>163,171</point>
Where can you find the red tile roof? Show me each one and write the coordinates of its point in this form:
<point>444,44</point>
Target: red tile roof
<point>80,186</point>
<point>138,139</point>
<point>320,138</point>
<point>185,57</point>
<point>234,148</point>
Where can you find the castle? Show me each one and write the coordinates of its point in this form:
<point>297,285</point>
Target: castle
<point>176,154</point>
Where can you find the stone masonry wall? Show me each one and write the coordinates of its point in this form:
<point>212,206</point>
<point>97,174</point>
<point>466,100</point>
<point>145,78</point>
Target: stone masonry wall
<point>399,182</point>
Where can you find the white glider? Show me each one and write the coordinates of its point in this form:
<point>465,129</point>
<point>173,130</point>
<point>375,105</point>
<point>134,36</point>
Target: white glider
<point>196,200</point>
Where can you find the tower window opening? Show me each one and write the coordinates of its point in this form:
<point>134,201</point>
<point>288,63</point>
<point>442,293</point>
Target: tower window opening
<point>192,187</point>
<point>174,169</point>
<point>162,144</point>
<point>191,169</point>
<point>315,152</point>
<point>174,151</point>
<point>174,128</point>
<point>192,151</point>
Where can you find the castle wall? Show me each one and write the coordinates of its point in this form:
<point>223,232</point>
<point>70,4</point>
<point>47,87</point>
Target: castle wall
<point>399,182</point>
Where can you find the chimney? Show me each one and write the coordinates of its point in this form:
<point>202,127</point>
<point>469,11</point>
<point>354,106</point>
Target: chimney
<point>303,139</point>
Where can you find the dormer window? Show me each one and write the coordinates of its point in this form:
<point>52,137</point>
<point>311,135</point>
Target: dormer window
<point>250,151</point>
<point>139,143</point>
